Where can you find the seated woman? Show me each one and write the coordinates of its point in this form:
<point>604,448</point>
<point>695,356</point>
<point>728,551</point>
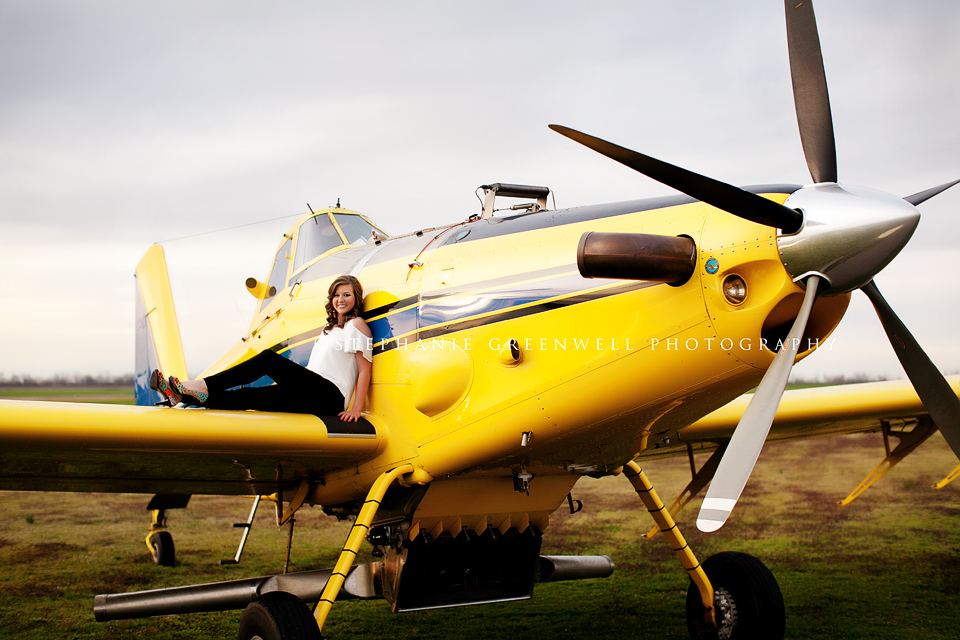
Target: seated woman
<point>339,364</point>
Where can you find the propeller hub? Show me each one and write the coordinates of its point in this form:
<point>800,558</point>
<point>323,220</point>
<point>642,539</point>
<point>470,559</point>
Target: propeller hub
<point>849,234</point>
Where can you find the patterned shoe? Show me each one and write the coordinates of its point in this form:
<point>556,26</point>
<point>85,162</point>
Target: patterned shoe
<point>159,383</point>
<point>195,397</point>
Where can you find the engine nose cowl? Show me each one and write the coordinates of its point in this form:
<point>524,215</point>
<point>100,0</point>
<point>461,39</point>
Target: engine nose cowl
<point>849,234</point>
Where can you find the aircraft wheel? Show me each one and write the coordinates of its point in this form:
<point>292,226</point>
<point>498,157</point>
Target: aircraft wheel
<point>278,616</point>
<point>163,551</point>
<point>747,600</point>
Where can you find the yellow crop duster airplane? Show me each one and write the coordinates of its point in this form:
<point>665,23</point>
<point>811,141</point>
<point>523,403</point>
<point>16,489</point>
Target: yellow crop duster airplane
<point>513,355</point>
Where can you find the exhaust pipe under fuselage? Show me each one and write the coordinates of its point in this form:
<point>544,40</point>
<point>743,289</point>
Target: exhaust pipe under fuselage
<point>363,582</point>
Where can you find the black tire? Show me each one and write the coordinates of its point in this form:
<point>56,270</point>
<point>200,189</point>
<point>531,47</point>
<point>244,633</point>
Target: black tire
<point>278,616</point>
<point>747,600</point>
<point>164,553</point>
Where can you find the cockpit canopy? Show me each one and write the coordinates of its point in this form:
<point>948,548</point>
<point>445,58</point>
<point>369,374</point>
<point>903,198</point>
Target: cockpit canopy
<point>327,230</point>
<point>317,234</point>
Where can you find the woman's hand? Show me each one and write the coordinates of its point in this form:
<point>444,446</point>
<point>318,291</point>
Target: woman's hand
<point>350,416</point>
<point>364,369</point>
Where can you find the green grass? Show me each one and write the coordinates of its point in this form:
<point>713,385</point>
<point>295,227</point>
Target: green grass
<point>101,394</point>
<point>887,566</point>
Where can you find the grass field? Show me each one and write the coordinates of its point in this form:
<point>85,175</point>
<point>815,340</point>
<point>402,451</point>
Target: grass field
<point>887,566</point>
<point>108,394</point>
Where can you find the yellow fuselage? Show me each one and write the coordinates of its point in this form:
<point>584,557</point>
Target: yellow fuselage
<point>601,372</point>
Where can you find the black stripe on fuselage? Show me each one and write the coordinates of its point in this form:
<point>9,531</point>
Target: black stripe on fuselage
<point>440,330</point>
<point>497,226</point>
<point>385,309</point>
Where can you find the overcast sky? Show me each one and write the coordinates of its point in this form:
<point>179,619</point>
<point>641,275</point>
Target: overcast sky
<point>127,123</point>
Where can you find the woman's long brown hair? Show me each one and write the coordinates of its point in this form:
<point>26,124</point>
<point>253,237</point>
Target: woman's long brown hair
<point>333,318</point>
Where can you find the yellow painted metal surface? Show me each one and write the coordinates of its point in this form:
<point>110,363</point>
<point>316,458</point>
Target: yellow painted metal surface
<point>95,447</point>
<point>909,442</point>
<point>354,539</point>
<point>822,411</point>
<point>605,370</point>
<point>671,532</point>
<point>953,475</point>
<point>493,502</point>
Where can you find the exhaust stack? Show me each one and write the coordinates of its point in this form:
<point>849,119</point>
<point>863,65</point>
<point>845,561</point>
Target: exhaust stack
<point>637,256</point>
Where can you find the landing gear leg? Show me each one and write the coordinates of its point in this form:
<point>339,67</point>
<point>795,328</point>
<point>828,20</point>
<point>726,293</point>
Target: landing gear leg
<point>699,480</point>
<point>160,542</point>
<point>354,539</point>
<point>732,596</point>
<point>669,529</point>
<point>283,616</point>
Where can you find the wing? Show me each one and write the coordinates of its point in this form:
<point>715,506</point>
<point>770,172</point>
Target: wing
<point>822,411</point>
<point>892,408</point>
<point>48,446</point>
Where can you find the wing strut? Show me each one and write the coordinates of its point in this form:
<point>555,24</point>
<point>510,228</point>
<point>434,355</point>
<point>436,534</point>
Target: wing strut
<point>699,480</point>
<point>953,475</point>
<point>909,441</point>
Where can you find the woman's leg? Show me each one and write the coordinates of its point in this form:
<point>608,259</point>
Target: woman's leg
<point>266,363</point>
<point>271,398</point>
<point>297,389</point>
<point>321,399</point>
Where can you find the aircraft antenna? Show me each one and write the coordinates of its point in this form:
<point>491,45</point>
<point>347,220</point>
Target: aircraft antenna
<point>315,221</point>
<point>239,226</point>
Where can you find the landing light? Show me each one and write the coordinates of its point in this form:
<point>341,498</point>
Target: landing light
<point>734,289</point>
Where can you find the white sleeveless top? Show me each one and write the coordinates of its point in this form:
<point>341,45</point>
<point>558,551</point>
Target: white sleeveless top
<point>332,357</point>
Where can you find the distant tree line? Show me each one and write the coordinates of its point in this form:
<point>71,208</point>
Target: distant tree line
<point>63,380</point>
<point>841,379</point>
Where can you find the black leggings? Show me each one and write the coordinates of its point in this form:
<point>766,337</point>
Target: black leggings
<point>297,389</point>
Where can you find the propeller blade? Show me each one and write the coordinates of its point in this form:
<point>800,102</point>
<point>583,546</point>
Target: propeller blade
<point>810,91</point>
<point>923,196</point>
<point>740,203</point>
<point>751,432</point>
<point>935,392</point>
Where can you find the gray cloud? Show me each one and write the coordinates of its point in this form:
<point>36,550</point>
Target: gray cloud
<point>125,124</point>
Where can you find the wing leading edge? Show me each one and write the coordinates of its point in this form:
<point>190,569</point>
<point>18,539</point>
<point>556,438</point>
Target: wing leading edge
<point>822,411</point>
<point>46,446</point>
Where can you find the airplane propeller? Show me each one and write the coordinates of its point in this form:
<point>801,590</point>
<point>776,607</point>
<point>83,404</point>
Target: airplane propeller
<point>751,432</point>
<point>721,195</point>
<point>835,239</point>
<point>810,91</point>
<point>934,391</point>
<point>923,196</point>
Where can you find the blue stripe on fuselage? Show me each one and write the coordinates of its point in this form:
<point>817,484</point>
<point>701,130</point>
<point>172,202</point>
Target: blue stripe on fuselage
<point>393,325</point>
